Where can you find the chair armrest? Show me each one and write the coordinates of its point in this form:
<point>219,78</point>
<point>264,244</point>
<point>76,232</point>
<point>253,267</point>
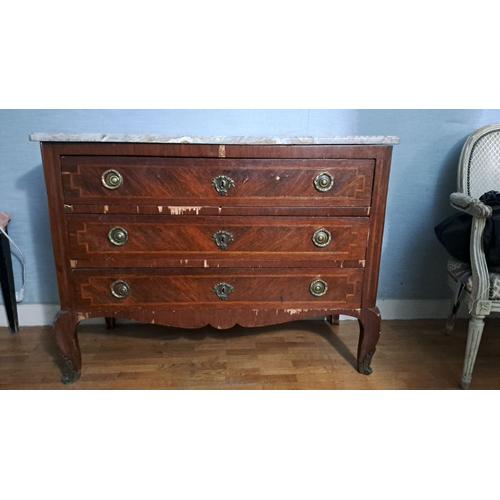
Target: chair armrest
<point>479,303</point>
<point>470,205</point>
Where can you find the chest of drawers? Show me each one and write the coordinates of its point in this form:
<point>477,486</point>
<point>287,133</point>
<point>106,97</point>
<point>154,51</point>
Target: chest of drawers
<point>211,231</point>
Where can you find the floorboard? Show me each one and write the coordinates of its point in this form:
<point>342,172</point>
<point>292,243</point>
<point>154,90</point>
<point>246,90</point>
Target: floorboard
<point>298,355</point>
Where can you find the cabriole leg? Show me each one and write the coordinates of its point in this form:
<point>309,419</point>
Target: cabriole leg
<point>369,333</point>
<point>476,327</point>
<point>67,341</point>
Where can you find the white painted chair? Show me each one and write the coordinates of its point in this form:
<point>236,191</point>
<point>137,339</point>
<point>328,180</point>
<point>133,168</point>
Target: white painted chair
<point>478,172</point>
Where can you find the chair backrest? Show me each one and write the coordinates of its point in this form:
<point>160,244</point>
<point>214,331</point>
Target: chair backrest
<point>479,165</point>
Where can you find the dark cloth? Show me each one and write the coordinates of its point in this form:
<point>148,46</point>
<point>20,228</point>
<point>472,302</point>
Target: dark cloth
<point>454,233</point>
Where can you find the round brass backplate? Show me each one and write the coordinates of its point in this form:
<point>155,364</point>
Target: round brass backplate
<point>120,289</point>
<point>323,182</point>
<point>318,288</point>
<point>112,179</point>
<point>322,237</point>
<point>118,236</point>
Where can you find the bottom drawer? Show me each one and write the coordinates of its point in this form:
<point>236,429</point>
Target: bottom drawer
<point>157,287</point>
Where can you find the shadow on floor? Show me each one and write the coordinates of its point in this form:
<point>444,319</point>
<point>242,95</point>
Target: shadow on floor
<point>164,333</point>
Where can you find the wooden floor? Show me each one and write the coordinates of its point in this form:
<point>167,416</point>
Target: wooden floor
<point>299,355</point>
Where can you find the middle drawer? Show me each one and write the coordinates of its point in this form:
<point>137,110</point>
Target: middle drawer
<point>151,241</point>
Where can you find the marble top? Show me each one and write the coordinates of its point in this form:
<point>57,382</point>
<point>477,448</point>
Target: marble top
<point>382,140</point>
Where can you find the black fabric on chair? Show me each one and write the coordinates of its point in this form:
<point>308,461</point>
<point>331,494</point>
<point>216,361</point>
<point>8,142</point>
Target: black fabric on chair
<point>454,233</point>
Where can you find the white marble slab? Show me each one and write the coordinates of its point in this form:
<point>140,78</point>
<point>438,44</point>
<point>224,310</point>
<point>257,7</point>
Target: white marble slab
<point>383,140</point>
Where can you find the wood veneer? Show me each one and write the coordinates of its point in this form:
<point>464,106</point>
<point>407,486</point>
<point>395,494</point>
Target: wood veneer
<point>170,208</point>
<point>188,181</point>
<point>181,239</point>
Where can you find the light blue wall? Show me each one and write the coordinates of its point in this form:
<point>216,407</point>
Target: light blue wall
<point>423,174</point>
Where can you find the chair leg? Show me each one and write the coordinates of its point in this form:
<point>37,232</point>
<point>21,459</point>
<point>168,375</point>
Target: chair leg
<point>450,323</point>
<point>7,284</point>
<point>476,326</point>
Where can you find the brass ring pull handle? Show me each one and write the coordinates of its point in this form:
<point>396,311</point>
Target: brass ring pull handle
<point>222,184</point>
<point>223,239</point>
<point>120,289</point>
<point>323,182</point>
<point>318,288</point>
<point>112,179</point>
<point>223,290</point>
<point>118,236</point>
<point>322,237</point>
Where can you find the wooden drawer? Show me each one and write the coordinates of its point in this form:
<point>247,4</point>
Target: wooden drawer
<point>146,241</point>
<point>200,286</point>
<point>199,181</point>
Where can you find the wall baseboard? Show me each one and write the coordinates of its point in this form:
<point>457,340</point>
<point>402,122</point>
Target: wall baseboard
<point>43,314</point>
<point>32,314</point>
<point>414,309</point>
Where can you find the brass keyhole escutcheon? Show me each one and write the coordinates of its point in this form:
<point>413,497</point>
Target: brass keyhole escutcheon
<point>324,182</point>
<point>222,184</point>
<point>118,236</point>
<point>322,237</point>
<point>223,239</point>
<point>112,179</point>
<point>318,288</point>
<point>223,290</point>
<point>120,289</point>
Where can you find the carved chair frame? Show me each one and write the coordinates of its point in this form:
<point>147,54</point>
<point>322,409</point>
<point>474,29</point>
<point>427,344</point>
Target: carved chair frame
<point>479,303</point>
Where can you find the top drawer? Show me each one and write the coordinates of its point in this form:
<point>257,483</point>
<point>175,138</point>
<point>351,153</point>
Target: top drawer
<point>221,182</point>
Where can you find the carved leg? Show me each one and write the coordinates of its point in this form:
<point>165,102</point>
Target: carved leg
<point>333,319</point>
<point>67,341</point>
<point>110,323</point>
<point>369,333</point>
<point>476,326</point>
<point>450,323</point>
